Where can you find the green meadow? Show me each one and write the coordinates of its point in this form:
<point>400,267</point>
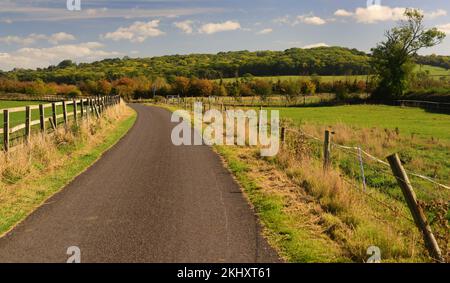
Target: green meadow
<point>407,120</point>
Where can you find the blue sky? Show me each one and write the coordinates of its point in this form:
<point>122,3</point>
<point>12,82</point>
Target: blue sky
<point>36,33</point>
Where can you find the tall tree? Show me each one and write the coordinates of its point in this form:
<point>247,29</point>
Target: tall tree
<point>393,58</point>
<point>181,85</point>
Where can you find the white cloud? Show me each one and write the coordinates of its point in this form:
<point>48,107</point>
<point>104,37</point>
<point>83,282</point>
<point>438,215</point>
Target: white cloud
<point>26,40</point>
<point>137,32</point>
<point>60,37</point>
<point>282,20</point>
<point>315,45</point>
<point>444,28</point>
<point>343,13</point>
<point>436,14</point>
<point>6,21</point>
<point>310,20</point>
<point>43,57</point>
<point>265,31</point>
<point>378,13</point>
<point>34,37</point>
<point>185,26</point>
<point>211,28</point>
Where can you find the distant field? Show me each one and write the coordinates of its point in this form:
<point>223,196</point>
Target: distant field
<point>408,120</point>
<point>433,71</point>
<point>11,104</point>
<point>18,118</point>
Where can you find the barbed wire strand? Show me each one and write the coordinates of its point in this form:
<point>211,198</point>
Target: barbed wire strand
<point>434,181</point>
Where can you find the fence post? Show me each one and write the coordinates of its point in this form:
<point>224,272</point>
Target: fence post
<point>64,106</point>
<point>99,105</point>
<point>42,117</point>
<point>327,150</point>
<point>81,108</point>
<point>75,110</point>
<point>6,130</point>
<point>55,121</point>
<point>90,110</point>
<point>27,123</point>
<point>416,211</point>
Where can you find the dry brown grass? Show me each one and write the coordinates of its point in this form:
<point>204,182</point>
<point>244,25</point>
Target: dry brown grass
<point>46,152</point>
<point>350,217</point>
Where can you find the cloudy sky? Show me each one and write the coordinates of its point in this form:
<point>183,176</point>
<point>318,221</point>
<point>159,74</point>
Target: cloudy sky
<point>37,33</point>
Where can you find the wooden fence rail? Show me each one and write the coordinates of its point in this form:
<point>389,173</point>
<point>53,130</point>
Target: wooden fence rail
<point>81,109</point>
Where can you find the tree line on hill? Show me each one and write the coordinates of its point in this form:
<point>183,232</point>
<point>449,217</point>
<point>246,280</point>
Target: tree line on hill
<point>434,60</point>
<point>295,61</point>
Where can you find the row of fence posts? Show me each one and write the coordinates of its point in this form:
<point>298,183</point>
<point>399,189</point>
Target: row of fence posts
<point>95,105</point>
<point>405,186</point>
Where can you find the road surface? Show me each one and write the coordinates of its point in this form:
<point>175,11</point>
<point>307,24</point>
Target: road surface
<point>145,200</point>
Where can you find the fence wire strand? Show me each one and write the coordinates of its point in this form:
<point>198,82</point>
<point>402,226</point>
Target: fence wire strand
<point>354,148</point>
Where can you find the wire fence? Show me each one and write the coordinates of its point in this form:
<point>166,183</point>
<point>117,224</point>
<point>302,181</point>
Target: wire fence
<point>366,173</point>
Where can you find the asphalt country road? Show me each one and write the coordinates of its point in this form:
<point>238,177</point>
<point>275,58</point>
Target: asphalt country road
<point>145,200</point>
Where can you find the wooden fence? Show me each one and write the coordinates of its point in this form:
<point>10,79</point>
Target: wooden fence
<point>430,105</point>
<point>79,109</point>
<point>27,97</point>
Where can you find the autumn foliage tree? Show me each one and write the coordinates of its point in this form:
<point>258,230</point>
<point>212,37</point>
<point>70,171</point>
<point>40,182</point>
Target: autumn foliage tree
<point>200,87</point>
<point>181,86</point>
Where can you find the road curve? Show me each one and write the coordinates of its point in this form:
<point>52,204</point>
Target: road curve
<point>145,200</point>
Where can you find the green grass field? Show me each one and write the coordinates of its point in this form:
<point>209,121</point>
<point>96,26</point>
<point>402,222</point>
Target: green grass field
<point>11,104</point>
<point>17,118</point>
<point>408,120</point>
<point>433,71</point>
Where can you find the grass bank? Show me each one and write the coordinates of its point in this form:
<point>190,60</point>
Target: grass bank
<point>33,173</point>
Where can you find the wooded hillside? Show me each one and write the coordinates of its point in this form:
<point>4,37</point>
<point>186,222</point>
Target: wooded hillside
<point>295,61</point>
